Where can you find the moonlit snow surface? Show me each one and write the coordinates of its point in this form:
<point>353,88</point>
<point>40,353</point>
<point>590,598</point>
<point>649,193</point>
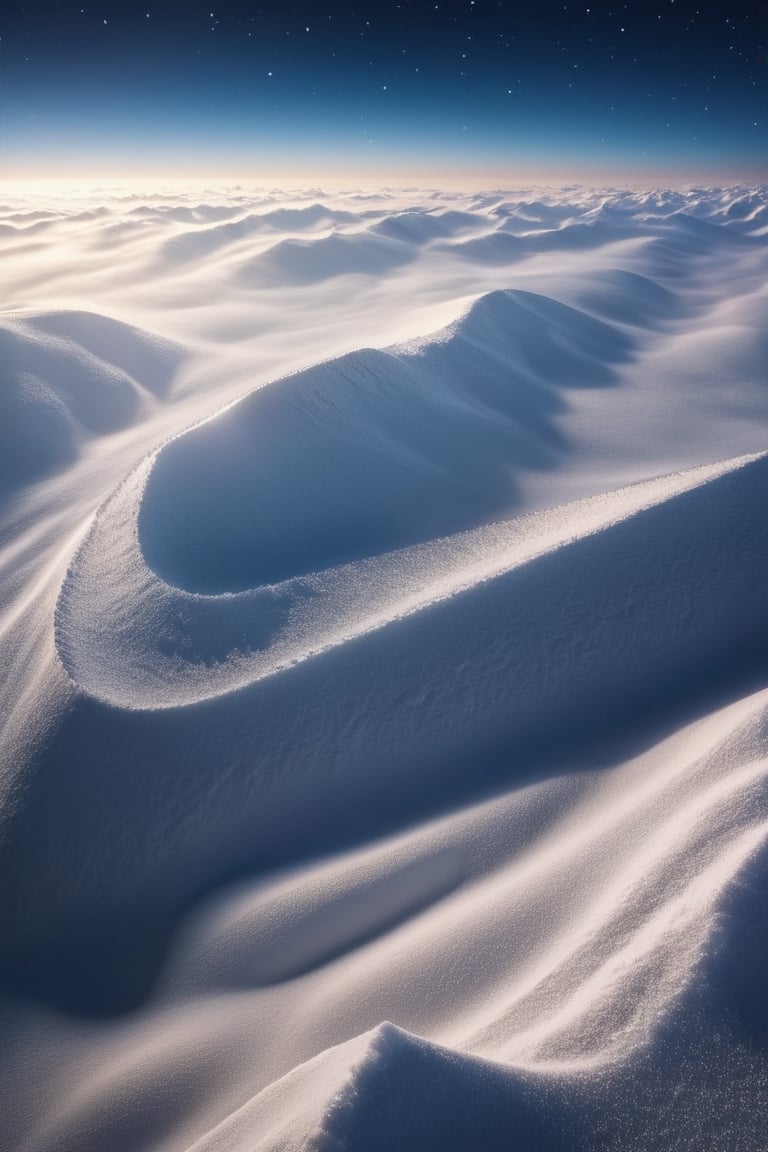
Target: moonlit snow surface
<point>384,671</point>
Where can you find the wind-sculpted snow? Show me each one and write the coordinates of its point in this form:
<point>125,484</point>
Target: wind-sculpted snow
<point>385,643</point>
<point>67,377</point>
<point>159,646</point>
<point>397,446</point>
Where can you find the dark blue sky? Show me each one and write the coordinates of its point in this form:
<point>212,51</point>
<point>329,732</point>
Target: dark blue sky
<point>481,88</point>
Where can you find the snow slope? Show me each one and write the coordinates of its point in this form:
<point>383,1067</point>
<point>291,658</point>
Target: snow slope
<point>384,749</point>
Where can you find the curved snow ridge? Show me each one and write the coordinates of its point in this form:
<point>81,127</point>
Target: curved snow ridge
<point>129,639</point>
<point>375,450</point>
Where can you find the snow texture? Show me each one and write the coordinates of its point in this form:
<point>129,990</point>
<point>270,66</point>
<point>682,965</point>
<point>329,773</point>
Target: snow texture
<point>384,726</point>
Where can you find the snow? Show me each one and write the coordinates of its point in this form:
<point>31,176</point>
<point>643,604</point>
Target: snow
<point>384,706</point>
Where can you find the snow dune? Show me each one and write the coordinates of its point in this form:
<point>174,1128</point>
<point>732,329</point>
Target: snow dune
<point>68,377</point>
<point>385,631</point>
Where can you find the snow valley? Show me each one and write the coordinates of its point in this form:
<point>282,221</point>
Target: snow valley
<point>384,726</point>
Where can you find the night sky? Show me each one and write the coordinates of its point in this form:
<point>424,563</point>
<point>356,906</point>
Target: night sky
<point>490,89</point>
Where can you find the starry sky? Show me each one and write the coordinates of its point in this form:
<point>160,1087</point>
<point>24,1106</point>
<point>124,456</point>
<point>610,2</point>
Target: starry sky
<point>403,90</point>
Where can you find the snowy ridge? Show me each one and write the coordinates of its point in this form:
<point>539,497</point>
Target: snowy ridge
<point>68,377</point>
<point>152,645</point>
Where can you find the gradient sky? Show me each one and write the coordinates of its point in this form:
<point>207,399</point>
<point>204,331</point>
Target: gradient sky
<point>399,89</point>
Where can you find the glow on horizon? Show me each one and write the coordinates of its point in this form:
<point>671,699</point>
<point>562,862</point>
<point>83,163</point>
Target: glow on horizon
<point>486,94</point>
<point>333,160</point>
<point>470,178</point>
